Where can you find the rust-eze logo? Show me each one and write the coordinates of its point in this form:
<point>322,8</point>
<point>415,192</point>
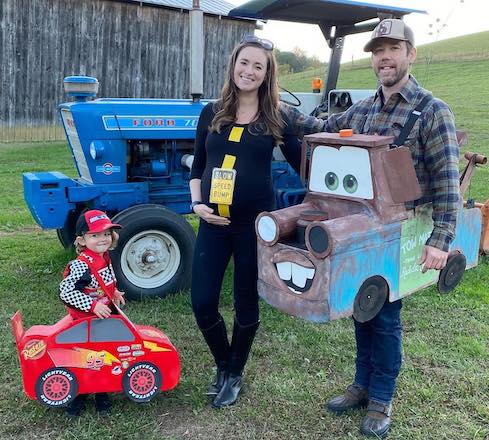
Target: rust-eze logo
<point>34,349</point>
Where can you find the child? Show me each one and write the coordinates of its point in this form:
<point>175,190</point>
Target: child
<point>89,284</point>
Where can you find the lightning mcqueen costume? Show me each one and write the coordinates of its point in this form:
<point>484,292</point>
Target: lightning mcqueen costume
<point>87,279</point>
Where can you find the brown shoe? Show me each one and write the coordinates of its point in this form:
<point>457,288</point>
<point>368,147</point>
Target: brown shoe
<point>354,397</point>
<point>378,419</point>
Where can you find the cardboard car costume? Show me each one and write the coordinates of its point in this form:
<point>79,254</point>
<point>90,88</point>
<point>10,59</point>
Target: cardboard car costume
<point>351,243</point>
<point>93,355</point>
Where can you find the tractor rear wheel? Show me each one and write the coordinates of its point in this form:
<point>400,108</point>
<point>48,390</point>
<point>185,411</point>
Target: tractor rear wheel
<point>154,253</point>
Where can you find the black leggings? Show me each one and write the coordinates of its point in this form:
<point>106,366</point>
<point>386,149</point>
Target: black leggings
<point>213,250</point>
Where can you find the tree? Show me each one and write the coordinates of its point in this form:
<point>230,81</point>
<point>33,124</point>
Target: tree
<point>295,61</point>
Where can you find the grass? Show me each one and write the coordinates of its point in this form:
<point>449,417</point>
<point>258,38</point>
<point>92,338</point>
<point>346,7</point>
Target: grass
<point>295,366</point>
<point>29,132</point>
<point>466,48</point>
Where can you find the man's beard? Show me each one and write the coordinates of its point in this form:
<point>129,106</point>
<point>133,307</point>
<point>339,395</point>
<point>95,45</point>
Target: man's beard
<point>389,81</point>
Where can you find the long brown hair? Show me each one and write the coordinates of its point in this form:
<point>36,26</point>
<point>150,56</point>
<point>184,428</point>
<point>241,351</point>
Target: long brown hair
<point>269,120</point>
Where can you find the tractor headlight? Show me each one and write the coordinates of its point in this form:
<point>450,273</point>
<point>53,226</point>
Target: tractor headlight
<point>96,149</point>
<point>267,228</point>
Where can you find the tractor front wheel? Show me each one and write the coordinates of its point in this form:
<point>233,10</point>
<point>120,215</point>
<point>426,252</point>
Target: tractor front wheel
<point>154,253</point>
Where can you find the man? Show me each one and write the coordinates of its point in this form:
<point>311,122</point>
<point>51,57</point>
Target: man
<point>435,152</point>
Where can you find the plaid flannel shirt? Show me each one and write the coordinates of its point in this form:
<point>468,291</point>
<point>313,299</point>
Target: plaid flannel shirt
<point>432,142</point>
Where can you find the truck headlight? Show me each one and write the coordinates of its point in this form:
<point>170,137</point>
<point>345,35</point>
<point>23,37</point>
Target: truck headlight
<point>267,228</point>
<point>318,239</point>
<point>96,149</point>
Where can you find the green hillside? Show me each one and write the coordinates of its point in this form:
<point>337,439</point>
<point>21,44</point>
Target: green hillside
<point>457,73</point>
<point>466,48</point>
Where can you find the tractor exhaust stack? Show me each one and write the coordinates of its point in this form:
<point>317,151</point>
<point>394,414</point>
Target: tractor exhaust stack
<point>196,51</point>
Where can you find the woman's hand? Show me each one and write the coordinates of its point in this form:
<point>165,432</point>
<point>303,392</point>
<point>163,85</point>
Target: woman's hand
<point>206,214</point>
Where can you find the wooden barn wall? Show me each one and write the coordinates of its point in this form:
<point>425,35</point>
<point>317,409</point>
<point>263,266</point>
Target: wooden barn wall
<point>133,50</point>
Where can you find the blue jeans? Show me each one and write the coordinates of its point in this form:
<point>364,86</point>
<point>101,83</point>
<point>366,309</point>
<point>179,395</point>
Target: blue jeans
<point>379,352</point>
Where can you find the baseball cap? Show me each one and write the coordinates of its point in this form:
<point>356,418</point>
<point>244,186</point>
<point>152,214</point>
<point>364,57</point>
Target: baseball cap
<point>390,28</point>
<point>94,221</point>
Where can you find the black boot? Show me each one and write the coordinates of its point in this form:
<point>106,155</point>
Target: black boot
<point>218,382</point>
<point>103,405</point>
<point>243,337</point>
<point>217,340</point>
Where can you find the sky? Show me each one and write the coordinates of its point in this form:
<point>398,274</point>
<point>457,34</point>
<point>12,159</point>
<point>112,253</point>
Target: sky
<point>444,19</point>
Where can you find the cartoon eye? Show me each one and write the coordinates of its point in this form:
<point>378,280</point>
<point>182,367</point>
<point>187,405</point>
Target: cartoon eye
<point>350,183</point>
<point>331,181</point>
<point>341,172</point>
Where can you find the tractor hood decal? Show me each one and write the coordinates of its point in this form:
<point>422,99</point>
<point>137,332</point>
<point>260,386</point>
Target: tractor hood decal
<point>150,122</point>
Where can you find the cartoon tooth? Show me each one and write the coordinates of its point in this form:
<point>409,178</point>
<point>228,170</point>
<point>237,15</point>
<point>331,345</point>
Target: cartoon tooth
<point>300,275</point>
<point>284,270</point>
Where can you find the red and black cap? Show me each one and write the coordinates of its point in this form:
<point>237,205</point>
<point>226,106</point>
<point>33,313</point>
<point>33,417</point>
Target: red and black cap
<point>94,221</point>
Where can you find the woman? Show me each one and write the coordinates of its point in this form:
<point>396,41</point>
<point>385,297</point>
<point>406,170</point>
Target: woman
<point>230,184</point>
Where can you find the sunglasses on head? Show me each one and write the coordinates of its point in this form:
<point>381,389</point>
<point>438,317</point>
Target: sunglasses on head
<point>265,44</point>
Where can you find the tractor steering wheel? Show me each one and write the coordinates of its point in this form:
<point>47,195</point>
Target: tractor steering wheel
<point>297,102</point>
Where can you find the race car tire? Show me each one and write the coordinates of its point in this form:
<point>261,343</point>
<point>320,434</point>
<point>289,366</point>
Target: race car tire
<point>452,273</point>
<point>56,387</point>
<point>155,251</point>
<point>142,382</point>
<point>370,298</point>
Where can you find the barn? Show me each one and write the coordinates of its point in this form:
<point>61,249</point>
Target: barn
<point>135,49</point>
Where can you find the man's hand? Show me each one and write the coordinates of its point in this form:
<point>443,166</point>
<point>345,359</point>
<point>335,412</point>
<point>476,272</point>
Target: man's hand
<point>101,310</point>
<point>433,258</point>
<point>206,214</point>
<point>118,298</point>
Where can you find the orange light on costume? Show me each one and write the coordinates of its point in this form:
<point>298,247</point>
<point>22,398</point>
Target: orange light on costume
<point>317,83</point>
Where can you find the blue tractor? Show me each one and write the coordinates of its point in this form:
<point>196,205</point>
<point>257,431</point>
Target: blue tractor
<point>133,157</point>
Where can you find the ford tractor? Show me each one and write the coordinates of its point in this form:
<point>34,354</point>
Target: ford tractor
<point>133,156</point>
